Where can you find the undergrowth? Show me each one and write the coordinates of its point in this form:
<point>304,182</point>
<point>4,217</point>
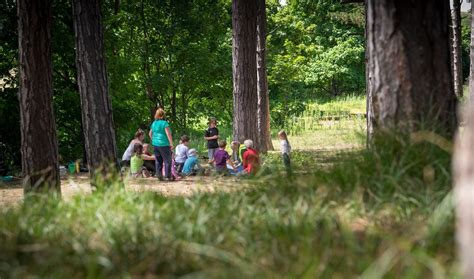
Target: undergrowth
<point>383,212</point>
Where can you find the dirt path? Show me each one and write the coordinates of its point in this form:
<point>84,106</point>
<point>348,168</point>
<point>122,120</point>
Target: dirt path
<point>12,193</point>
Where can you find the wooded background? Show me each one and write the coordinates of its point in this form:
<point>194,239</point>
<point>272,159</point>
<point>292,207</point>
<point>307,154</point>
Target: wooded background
<point>178,54</point>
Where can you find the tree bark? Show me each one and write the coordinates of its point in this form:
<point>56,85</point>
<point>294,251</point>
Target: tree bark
<point>463,171</point>
<point>410,84</point>
<point>96,106</point>
<point>471,70</point>
<point>456,48</point>
<point>263,102</point>
<point>368,73</point>
<point>39,144</point>
<point>116,6</point>
<point>244,69</point>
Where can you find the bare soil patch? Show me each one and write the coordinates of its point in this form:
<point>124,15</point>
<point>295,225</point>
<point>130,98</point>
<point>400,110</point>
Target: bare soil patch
<point>12,193</point>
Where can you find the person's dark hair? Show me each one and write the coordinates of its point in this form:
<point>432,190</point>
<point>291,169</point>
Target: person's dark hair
<point>222,143</point>
<point>139,133</point>
<point>138,148</point>
<point>184,138</point>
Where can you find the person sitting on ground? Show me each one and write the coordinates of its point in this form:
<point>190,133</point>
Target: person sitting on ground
<point>221,157</point>
<point>181,153</point>
<point>149,164</point>
<point>251,160</point>
<point>136,161</point>
<point>191,166</point>
<point>242,148</point>
<point>235,146</point>
<point>139,137</point>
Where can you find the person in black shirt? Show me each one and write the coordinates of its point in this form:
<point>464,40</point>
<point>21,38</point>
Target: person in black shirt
<point>211,135</point>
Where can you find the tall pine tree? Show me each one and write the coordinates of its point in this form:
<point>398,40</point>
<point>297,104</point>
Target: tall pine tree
<point>263,102</point>
<point>96,106</point>
<point>411,85</point>
<point>244,69</point>
<point>39,145</point>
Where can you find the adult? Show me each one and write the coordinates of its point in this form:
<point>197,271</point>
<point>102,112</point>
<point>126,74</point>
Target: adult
<point>162,141</point>
<point>127,155</point>
<point>250,159</point>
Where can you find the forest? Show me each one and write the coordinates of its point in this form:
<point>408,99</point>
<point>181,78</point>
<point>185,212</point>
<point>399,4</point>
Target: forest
<point>325,138</point>
<point>178,53</point>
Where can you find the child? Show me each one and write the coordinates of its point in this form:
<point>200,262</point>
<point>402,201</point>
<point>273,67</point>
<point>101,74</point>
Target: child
<point>146,149</point>
<point>149,164</point>
<point>174,175</point>
<point>235,153</point>
<point>236,158</point>
<point>136,161</point>
<point>139,137</point>
<point>251,160</point>
<point>285,150</point>
<point>181,153</point>
<point>242,148</point>
<point>191,166</point>
<point>221,157</point>
<point>211,135</point>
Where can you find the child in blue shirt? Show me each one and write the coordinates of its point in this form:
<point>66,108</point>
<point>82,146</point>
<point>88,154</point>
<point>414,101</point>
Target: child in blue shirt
<point>191,165</point>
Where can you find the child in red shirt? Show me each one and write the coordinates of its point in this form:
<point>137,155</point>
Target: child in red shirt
<point>251,160</point>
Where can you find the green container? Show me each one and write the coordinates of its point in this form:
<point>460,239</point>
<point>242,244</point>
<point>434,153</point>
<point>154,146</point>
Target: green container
<point>72,168</point>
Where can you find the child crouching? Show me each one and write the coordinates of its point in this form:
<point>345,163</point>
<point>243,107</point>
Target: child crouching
<point>191,165</point>
<point>136,161</point>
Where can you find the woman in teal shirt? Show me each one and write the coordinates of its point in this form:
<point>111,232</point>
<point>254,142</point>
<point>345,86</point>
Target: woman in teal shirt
<point>162,141</point>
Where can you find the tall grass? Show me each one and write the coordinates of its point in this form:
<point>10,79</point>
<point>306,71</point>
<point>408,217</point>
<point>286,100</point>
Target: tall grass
<point>339,120</point>
<point>384,212</point>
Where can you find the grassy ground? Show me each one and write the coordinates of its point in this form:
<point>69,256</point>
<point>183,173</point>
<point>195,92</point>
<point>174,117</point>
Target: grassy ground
<point>347,212</point>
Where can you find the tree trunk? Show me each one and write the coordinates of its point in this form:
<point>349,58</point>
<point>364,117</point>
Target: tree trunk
<point>409,66</point>
<point>463,171</point>
<point>368,73</point>
<point>173,102</point>
<point>263,103</point>
<point>39,144</point>
<point>96,106</point>
<point>244,69</point>
<point>116,7</point>
<point>456,48</point>
<point>471,70</point>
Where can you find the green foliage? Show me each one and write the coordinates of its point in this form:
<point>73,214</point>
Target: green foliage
<point>173,53</point>
<point>9,112</point>
<point>378,212</point>
<point>316,51</point>
<point>67,106</point>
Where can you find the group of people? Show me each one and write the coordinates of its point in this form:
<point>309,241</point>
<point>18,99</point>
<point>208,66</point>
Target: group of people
<point>184,162</point>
